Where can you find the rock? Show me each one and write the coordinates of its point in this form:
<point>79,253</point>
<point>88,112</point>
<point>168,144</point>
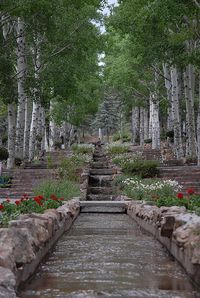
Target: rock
<point>167,226</point>
<point>4,293</point>
<point>36,227</point>
<point>6,257</point>
<point>7,278</point>
<point>20,241</point>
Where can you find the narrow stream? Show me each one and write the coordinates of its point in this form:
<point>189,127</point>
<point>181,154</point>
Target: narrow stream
<point>107,255</point>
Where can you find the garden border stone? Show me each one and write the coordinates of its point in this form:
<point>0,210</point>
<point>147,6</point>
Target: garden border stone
<point>175,228</point>
<point>27,240</point>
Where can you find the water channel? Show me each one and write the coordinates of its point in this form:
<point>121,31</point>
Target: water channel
<point>107,255</point>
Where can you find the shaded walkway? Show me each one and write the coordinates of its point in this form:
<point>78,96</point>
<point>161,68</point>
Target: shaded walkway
<point>108,256</point>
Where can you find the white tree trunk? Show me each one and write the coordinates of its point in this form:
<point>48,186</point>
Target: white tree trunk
<point>135,124</point>
<point>141,126</point>
<point>198,129</point>
<point>33,131</point>
<point>52,129</point>
<point>155,122</point>
<point>176,114</point>
<point>28,113</point>
<point>189,79</point>
<point>21,75</point>
<point>11,136</point>
<point>146,124</point>
<point>150,115</point>
<point>168,86</point>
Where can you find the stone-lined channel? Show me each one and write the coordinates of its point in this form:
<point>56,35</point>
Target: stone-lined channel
<point>107,255</point>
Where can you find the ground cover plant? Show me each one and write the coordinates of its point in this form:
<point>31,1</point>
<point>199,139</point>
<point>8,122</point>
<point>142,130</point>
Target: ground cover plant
<point>5,181</point>
<point>10,211</point>
<point>114,149</point>
<point>160,192</point>
<point>137,166</point>
<point>82,148</point>
<point>62,188</point>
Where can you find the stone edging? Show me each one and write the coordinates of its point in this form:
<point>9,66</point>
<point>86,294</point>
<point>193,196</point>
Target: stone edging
<point>27,240</point>
<point>176,229</point>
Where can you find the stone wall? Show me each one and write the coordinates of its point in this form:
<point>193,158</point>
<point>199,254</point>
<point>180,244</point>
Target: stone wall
<point>176,229</point>
<point>27,240</point>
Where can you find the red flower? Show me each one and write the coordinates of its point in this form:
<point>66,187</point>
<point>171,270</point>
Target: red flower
<point>53,197</point>
<point>179,195</point>
<point>17,202</point>
<point>1,207</point>
<point>25,195</point>
<point>190,191</point>
<point>41,197</point>
<point>8,200</point>
<point>62,199</point>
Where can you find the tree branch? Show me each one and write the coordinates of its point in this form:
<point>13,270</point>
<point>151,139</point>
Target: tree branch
<point>196,3</point>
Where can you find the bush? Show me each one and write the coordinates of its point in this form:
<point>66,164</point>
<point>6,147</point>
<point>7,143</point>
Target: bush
<point>18,161</point>
<point>70,166</point>
<point>3,154</point>
<point>125,138</point>
<point>147,189</point>
<point>65,189</point>
<point>142,168</point>
<point>117,149</point>
<point>148,141</point>
<point>10,211</point>
<point>5,181</point>
<point>82,149</point>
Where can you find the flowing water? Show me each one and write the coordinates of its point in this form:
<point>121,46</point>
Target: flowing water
<point>107,255</point>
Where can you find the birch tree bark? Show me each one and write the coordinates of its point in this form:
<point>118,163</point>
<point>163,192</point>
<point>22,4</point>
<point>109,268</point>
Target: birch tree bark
<point>178,147</point>
<point>150,115</point>
<point>189,79</point>
<point>33,130</point>
<point>198,129</point>
<point>28,113</point>
<point>135,124</point>
<point>168,86</point>
<point>146,124</point>
<point>141,126</point>
<point>11,136</point>
<point>52,130</point>
<point>21,74</point>
<point>155,115</point>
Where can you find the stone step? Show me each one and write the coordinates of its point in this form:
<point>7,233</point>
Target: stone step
<point>100,180</point>
<point>103,207</point>
<point>99,165</point>
<point>100,190</point>
<point>101,171</point>
<point>92,197</point>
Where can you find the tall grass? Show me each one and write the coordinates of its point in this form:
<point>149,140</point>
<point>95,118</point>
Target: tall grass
<point>62,189</point>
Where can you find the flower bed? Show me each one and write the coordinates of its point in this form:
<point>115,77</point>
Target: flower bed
<point>38,204</point>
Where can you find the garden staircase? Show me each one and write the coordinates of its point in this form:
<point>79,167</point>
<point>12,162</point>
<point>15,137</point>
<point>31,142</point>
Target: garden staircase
<point>187,176</point>
<point>100,178</point>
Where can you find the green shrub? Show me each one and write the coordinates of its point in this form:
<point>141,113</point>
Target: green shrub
<point>82,149</point>
<point>125,138</point>
<point>65,189</point>
<point>3,154</point>
<point>142,168</point>
<point>5,181</point>
<point>18,161</point>
<point>49,162</point>
<point>148,141</point>
<point>70,166</point>
<point>118,149</point>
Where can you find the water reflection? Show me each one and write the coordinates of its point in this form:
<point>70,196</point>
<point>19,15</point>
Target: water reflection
<point>107,255</point>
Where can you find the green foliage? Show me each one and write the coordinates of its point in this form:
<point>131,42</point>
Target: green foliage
<point>142,168</point>
<point>64,188</point>
<point>126,137</point>
<point>3,153</point>
<point>10,211</point>
<point>5,181</point>
<point>70,167</point>
<point>82,149</point>
<point>118,149</point>
<point>148,141</point>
